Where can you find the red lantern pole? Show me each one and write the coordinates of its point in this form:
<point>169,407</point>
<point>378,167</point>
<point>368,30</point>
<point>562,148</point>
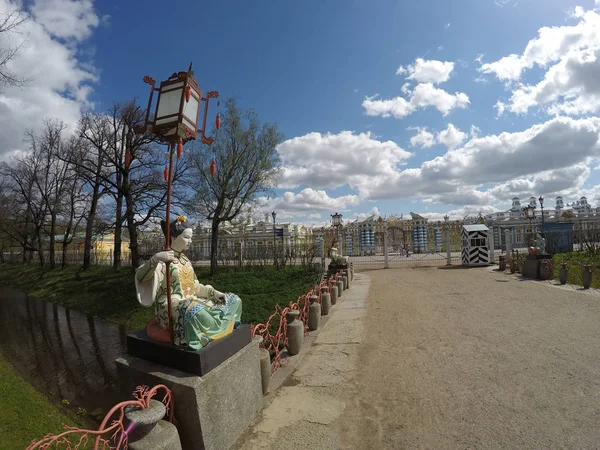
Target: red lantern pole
<point>168,240</point>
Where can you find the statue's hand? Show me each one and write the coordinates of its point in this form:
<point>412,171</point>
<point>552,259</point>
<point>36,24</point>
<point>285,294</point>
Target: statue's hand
<point>219,296</point>
<point>166,256</point>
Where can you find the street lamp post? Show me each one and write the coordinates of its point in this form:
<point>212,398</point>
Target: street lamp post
<point>541,200</point>
<point>175,122</point>
<point>529,215</point>
<point>274,214</point>
<point>336,220</point>
<point>448,249</point>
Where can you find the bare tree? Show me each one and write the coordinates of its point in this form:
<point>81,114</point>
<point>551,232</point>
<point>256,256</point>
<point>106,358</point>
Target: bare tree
<point>10,24</point>
<point>30,213</point>
<point>53,175</point>
<point>74,200</point>
<point>246,162</point>
<point>129,168</point>
<point>588,240</point>
<point>88,161</point>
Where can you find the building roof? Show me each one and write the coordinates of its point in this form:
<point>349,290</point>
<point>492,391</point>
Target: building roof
<point>476,227</point>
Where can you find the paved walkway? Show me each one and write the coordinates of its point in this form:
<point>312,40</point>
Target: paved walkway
<point>445,359</point>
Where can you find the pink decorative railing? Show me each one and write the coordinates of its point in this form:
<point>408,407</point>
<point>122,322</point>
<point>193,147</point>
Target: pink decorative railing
<point>275,343</point>
<point>113,436</point>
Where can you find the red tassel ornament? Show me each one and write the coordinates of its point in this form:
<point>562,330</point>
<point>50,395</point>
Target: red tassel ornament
<point>166,173</point>
<point>180,148</point>
<point>127,158</point>
<point>218,121</point>
<point>213,167</point>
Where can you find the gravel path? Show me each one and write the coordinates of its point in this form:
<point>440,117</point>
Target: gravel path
<point>473,359</point>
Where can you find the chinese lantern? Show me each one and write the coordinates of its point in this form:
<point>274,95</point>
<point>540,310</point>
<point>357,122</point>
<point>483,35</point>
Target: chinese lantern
<point>213,167</point>
<point>166,173</point>
<point>127,158</point>
<point>180,148</point>
<point>218,123</point>
<point>188,93</point>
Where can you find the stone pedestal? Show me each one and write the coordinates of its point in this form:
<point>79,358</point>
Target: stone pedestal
<point>531,266</point>
<point>332,269</point>
<point>213,410</point>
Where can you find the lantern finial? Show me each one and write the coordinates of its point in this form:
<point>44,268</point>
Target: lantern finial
<point>191,63</point>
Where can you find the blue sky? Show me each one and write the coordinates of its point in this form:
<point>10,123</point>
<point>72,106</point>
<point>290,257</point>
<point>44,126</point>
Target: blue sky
<point>310,66</point>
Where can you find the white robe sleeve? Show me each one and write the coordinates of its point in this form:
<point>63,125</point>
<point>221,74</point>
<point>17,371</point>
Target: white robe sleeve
<point>203,290</point>
<point>148,278</point>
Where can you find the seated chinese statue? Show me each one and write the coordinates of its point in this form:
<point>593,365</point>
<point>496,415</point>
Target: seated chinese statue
<point>336,259</point>
<point>539,245</point>
<point>200,313</point>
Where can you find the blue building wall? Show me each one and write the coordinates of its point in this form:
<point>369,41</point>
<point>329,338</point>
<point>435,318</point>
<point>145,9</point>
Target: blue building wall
<point>419,238</point>
<point>560,237</point>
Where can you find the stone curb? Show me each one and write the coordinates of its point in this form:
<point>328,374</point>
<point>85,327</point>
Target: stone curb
<point>550,283</point>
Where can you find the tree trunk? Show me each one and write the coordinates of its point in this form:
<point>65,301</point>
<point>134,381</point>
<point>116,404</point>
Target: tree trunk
<point>64,254</point>
<point>89,229</point>
<point>118,229</point>
<point>130,216</point>
<point>214,247</point>
<point>52,242</point>
<point>40,249</point>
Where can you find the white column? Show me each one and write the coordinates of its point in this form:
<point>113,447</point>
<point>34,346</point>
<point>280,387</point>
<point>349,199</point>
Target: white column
<point>448,249</point>
<point>386,261</point>
<point>492,244</point>
<point>508,238</point>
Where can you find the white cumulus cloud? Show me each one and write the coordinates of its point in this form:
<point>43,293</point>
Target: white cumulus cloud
<point>427,71</point>
<point>61,82</point>
<point>333,160</point>
<point>569,58</point>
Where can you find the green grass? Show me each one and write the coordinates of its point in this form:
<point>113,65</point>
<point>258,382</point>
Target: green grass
<point>25,414</point>
<point>574,262</point>
<point>110,295</point>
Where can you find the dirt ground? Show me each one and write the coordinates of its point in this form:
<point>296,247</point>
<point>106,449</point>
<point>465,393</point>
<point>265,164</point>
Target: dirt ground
<point>473,359</point>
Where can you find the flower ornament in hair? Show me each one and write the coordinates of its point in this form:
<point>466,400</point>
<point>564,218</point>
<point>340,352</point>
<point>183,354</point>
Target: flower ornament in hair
<point>181,219</point>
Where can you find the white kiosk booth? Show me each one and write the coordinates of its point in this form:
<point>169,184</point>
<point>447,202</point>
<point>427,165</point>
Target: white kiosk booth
<point>475,245</point>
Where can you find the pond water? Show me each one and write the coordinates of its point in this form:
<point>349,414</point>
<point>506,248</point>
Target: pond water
<point>63,353</point>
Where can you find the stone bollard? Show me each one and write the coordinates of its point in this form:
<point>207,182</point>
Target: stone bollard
<point>546,269</point>
<point>317,267</point>
<point>563,274</point>
<point>340,285</point>
<point>294,331</point>
<point>150,432</point>
<point>345,280</point>
<point>586,276</point>
<point>502,263</point>
<point>347,275</point>
<point>325,301</point>
<point>314,313</point>
<point>265,365</point>
<point>333,292</point>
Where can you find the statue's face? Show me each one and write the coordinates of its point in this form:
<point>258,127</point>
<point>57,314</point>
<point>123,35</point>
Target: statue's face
<point>183,241</point>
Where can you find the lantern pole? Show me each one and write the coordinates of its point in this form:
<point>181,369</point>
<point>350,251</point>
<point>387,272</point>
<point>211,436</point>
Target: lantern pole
<point>168,240</point>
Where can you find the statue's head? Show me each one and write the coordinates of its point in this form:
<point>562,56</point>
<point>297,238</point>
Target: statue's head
<point>181,233</point>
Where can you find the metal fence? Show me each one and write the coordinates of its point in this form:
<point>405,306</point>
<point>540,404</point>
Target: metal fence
<point>71,258</point>
<point>387,253</point>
